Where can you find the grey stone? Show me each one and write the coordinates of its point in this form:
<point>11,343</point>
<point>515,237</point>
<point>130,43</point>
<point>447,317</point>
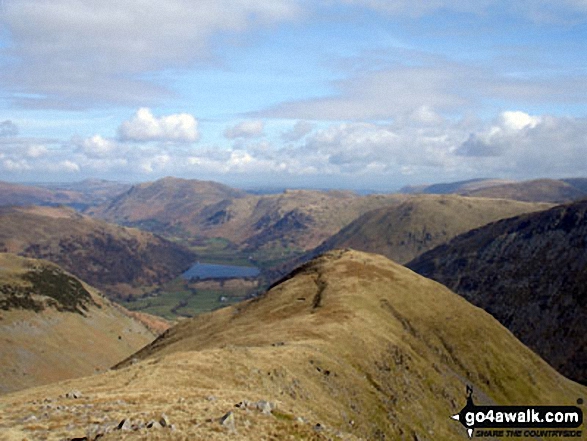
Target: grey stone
<point>154,425</point>
<point>75,394</point>
<point>125,425</point>
<point>164,420</point>
<point>265,407</point>
<point>228,422</point>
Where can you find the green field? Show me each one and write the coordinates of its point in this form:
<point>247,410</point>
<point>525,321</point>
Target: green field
<point>177,299</point>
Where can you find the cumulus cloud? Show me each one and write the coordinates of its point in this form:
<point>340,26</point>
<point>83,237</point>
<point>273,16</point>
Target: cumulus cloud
<point>245,129</point>
<point>95,146</point>
<point>532,146</point>
<point>181,127</point>
<point>8,128</point>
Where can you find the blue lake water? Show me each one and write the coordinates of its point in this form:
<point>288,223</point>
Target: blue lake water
<point>213,271</point>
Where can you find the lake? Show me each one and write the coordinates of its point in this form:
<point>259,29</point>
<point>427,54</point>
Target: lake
<point>214,271</point>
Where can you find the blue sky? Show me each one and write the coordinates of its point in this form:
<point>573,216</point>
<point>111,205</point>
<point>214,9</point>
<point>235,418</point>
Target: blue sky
<point>363,94</point>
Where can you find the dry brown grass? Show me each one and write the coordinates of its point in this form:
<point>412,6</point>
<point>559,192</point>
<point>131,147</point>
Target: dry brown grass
<point>354,342</point>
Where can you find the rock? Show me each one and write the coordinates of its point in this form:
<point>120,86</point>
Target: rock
<point>228,422</point>
<point>211,398</point>
<point>154,425</point>
<point>125,425</point>
<point>164,420</point>
<point>243,404</point>
<point>74,394</point>
<point>30,419</point>
<point>265,407</point>
<point>318,427</point>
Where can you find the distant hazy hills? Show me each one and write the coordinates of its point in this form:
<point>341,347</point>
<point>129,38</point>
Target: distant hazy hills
<point>530,272</point>
<point>296,219</point>
<point>351,346</point>
<point>404,231</point>
<point>79,194</point>
<point>116,259</point>
<point>54,327</point>
<point>539,190</point>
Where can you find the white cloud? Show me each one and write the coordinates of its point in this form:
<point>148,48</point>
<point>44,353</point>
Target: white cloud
<point>181,127</point>
<point>516,120</point>
<point>79,52</point>
<point>245,129</point>
<point>96,146</point>
<point>36,151</point>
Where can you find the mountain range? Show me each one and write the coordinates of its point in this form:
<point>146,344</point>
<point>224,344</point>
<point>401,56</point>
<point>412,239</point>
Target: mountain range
<point>529,272</point>
<point>118,260</point>
<point>537,190</point>
<point>404,231</point>
<point>350,346</point>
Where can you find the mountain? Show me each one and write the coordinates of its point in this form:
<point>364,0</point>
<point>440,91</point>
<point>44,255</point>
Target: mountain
<point>116,259</point>
<point>292,220</point>
<point>538,190</point>
<point>18,194</point>
<point>529,272</point>
<point>54,327</point>
<point>91,191</point>
<point>458,187</point>
<point>404,231</point>
<point>77,194</point>
<point>164,204</point>
<point>350,346</point>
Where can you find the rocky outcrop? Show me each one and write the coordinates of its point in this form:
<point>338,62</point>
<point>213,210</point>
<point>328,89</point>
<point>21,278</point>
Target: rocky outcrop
<point>529,272</point>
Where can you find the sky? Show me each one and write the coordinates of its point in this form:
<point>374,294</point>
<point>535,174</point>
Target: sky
<point>357,94</point>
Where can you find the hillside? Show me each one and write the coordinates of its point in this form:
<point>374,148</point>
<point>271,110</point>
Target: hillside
<point>529,272</point>
<point>77,194</point>
<point>18,194</point>
<point>115,259</point>
<point>351,346</point>
<point>421,223</point>
<point>537,190</point>
<point>164,205</point>
<point>279,223</point>
<point>54,327</point>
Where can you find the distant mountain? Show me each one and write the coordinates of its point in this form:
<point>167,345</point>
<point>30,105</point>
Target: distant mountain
<point>78,194</point>
<point>350,346</point>
<point>54,327</point>
<point>116,259</point>
<point>458,187</point>
<point>292,220</point>
<point>404,231</point>
<point>529,272</point>
<point>538,190</point>
<point>92,191</point>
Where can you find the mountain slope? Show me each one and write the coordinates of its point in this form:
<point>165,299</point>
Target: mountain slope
<point>77,194</point>
<point>530,273</point>
<point>539,190</point>
<point>291,221</point>
<point>350,346</point>
<point>112,258</point>
<point>421,223</point>
<point>54,327</point>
